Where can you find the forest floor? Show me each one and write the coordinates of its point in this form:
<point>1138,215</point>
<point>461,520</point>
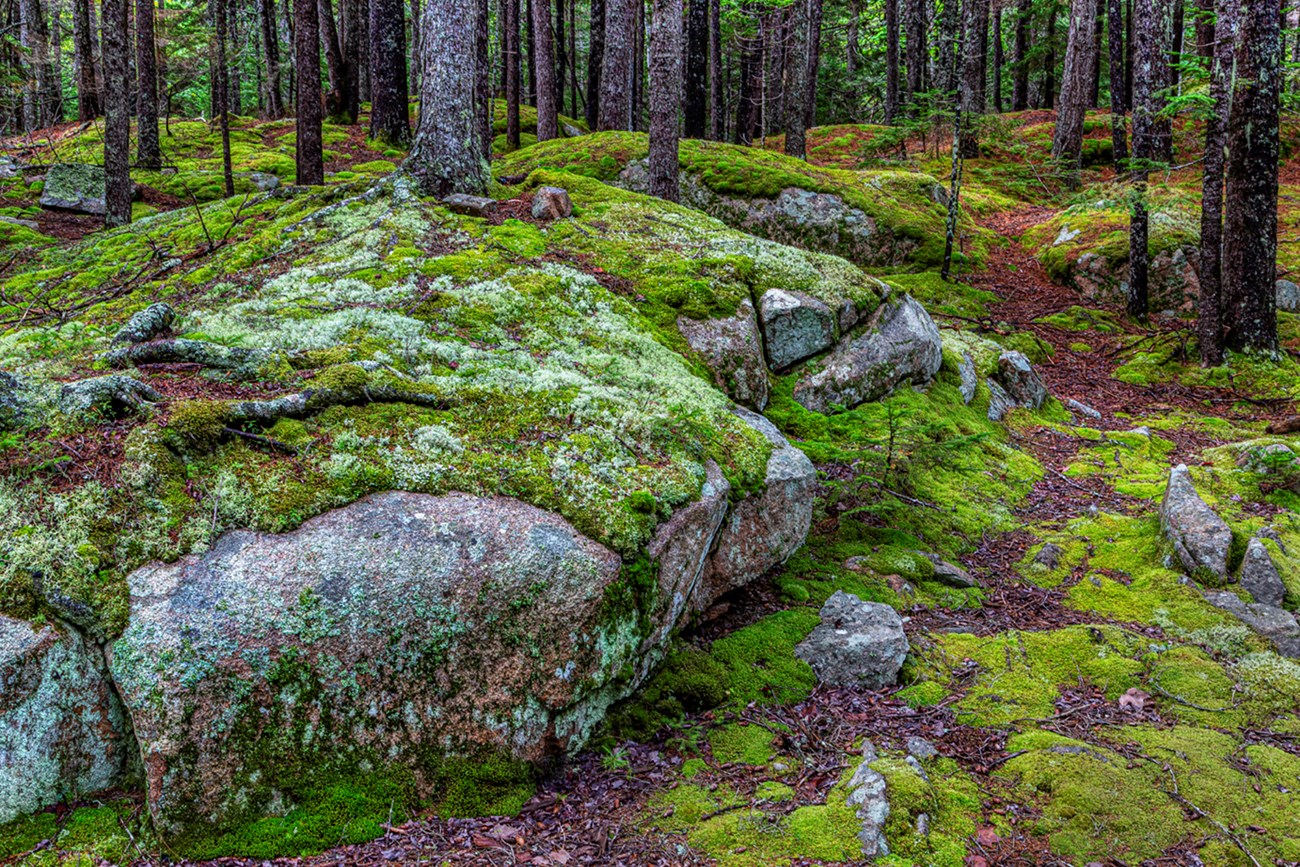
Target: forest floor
<point>1019,686</point>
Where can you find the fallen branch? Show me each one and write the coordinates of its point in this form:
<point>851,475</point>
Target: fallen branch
<point>272,444</point>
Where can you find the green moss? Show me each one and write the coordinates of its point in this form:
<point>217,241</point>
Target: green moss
<point>196,426</point>
<point>742,744</point>
<point>927,693</point>
<point>950,800</point>
<point>773,791</point>
<point>760,661</point>
<point>1076,318</point>
<point>24,833</point>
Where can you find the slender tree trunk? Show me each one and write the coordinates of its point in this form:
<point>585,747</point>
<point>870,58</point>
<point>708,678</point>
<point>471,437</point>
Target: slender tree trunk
<point>222,86</point>
<point>595,63</point>
<point>547,123</point>
<point>916,50</point>
<point>561,61</point>
<point>390,116</point>
<point>1020,79</point>
<point>1176,49</point>
<point>638,65</point>
<point>751,88</point>
<point>998,60</point>
<point>1128,55</point>
<point>270,56</point>
<point>1118,97</point>
<point>695,98</point>
<point>1205,21</point>
<point>148,151</point>
<point>1049,62</point>
<point>575,93</point>
<point>1149,58</point>
<point>309,157</point>
<point>891,60</point>
<point>482,106</point>
<point>974,27</point>
<point>1250,194</point>
<point>1094,76</point>
<point>513,75</point>
<point>531,52</point>
<point>1076,88</point>
<point>814,62</point>
<point>615,109</point>
<point>447,156</point>
<point>946,75</point>
<point>853,41</point>
<point>339,98</point>
<point>1162,130</point>
<point>354,40</point>
<point>89,105</point>
<point>234,75</point>
<point>34,34</point>
<point>717,98</point>
<point>117,114</point>
<point>665,96</point>
<point>795,128</point>
<point>1210,303</point>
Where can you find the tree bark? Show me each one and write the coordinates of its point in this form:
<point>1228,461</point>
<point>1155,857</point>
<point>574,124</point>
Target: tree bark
<point>308,157</point>
<point>717,98</point>
<point>447,156</point>
<point>43,102</point>
<point>1049,62</point>
<point>998,60</point>
<point>1076,88</point>
<point>117,113</point>
<point>355,40</point>
<point>595,62</point>
<point>1250,193</point>
<point>1118,97</point>
<point>1094,77</point>
<point>340,97</point>
<point>482,106</point>
<point>795,126</point>
<point>615,110</point>
<point>148,150</point>
<point>222,85</point>
<point>814,62</point>
<point>975,23</point>
<point>89,105</point>
<point>695,98</point>
<point>390,117</point>
<point>1210,303</point>
<point>891,60</point>
<point>853,41</point>
<point>915,26</point>
<point>638,64</point>
<point>1176,47</point>
<point>751,87</point>
<point>1149,58</point>
<point>947,78</point>
<point>270,56</point>
<point>547,123</point>
<point>513,79</point>
<point>665,96</point>
<point>1020,79</point>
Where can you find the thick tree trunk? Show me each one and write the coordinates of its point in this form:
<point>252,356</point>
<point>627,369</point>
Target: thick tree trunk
<point>1210,304</point>
<point>390,116</point>
<point>975,24</point>
<point>270,56</point>
<point>447,156</point>
<point>89,105</point>
<point>222,85</point>
<point>717,98</point>
<point>308,156</point>
<point>547,123</point>
<point>615,110</point>
<point>1149,58</point>
<point>695,97</point>
<point>1020,81</point>
<point>814,62</point>
<point>795,129</point>
<point>1250,194</point>
<point>915,27</point>
<point>1076,88</point>
<point>355,39</point>
<point>665,96</point>
<point>891,60</point>
<point>595,62</point>
<point>117,113</point>
<point>513,73</point>
<point>946,76</point>
<point>1118,96</point>
<point>751,88</point>
<point>148,151</point>
<point>340,97</point>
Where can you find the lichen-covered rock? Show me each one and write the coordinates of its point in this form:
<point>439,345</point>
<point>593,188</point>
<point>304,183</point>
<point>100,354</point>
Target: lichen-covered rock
<point>1288,296</point>
<point>762,530</point>
<point>74,187</point>
<point>1017,385</point>
<point>551,203</point>
<point>62,730</point>
<point>1200,538</point>
<point>470,206</point>
<point>149,323</point>
<point>969,378</point>
<point>1259,577</point>
<point>795,326</point>
<point>869,798</point>
<point>16,401</point>
<point>950,573</point>
<point>856,644</point>
<point>731,348</point>
<point>899,344</point>
<point>1276,624</point>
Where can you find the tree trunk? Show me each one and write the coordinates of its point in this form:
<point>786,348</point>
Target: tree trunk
<point>354,40</point>
<point>717,98</point>
<point>665,96</point>
<point>916,50</point>
<point>1094,76</point>
<point>390,117</point>
<point>795,130</point>
<point>751,87</point>
<point>575,95</point>
<point>1250,194</point>
<point>222,85</point>
<point>853,41</point>
<point>308,157</point>
<point>117,113</point>
<point>483,78</point>
<point>774,48</point>
<point>638,64</point>
<point>1128,55</point>
<point>694,100</point>
<point>998,60</point>
<point>89,105</point>
<point>43,100</point>
<point>1020,81</point>
<point>561,61</point>
<point>270,56</point>
<point>975,23</point>
<point>339,97</point>
<point>891,60</point>
<point>595,62</point>
<point>1118,97</point>
<point>531,53</point>
<point>234,76</point>
<point>148,151</point>
<point>946,75</point>
<point>1076,88</point>
<point>1205,21</point>
<point>513,74</point>
<point>1210,304</point>
<point>1049,62</point>
<point>547,123</point>
<point>413,64</point>
<point>814,62</point>
<point>447,156</point>
<point>1149,58</point>
<point>1176,47</point>
<point>616,75</point>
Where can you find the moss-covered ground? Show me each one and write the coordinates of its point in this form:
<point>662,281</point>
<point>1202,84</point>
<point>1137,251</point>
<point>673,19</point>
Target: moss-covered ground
<point>1086,702</point>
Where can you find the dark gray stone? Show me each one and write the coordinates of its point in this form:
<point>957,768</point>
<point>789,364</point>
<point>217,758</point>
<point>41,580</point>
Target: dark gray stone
<point>1200,538</point>
<point>969,377</point>
<point>470,206</point>
<point>869,799</point>
<point>75,187</point>
<point>1019,380</point>
<point>795,326</point>
<point>856,644</point>
<point>1259,576</point>
<point>733,351</point>
<point>1288,296</point>
<point>552,203</point>
<point>1276,624</point>
<point>1082,409</point>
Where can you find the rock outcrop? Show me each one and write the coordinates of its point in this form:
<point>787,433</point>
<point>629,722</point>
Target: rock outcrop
<point>1259,577</point>
<point>1014,384</point>
<point>899,344</point>
<point>733,351</point>
<point>869,798</point>
<point>1276,624</point>
<point>1200,538</point>
<point>856,644</point>
<point>75,187</point>
<point>795,326</point>
<point>62,730</point>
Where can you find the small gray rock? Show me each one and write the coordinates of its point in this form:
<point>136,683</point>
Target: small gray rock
<point>147,324</point>
<point>1288,296</point>
<point>1082,409</point>
<point>1017,376</point>
<point>552,203</point>
<point>949,573</point>
<point>921,748</point>
<point>1259,576</point>
<point>795,326</point>
<point>1000,403</point>
<point>856,644</point>
<point>76,187</point>
<point>1276,624</point>
<point>869,798</point>
<point>264,181</point>
<point>1200,537</point>
<point>1049,556</point>
<point>470,206</point>
<point>17,401</point>
<point>969,378</point>
<point>571,131</point>
<point>16,221</point>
